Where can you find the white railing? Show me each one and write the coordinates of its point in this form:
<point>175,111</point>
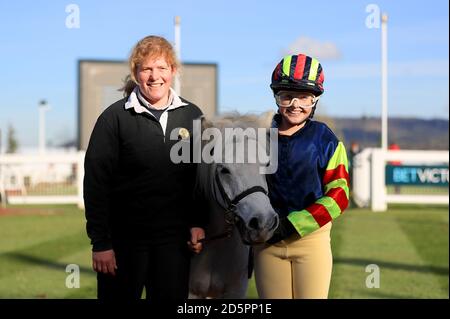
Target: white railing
<point>58,178</point>
<point>369,184</point>
<point>42,179</point>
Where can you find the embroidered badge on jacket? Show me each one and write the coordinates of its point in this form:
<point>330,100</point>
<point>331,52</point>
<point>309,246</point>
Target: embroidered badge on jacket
<point>183,133</point>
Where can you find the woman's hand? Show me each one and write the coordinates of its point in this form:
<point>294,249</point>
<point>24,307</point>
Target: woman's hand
<point>197,233</point>
<point>104,262</point>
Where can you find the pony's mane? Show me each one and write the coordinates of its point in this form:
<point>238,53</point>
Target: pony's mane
<point>235,119</point>
<point>204,182</point>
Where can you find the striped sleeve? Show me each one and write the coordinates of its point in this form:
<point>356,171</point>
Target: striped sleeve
<point>335,200</point>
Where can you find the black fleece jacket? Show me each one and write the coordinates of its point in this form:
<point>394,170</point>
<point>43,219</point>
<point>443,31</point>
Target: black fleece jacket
<point>133,192</point>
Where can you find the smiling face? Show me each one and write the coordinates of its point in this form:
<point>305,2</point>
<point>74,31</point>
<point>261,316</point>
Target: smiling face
<point>154,76</point>
<point>295,108</point>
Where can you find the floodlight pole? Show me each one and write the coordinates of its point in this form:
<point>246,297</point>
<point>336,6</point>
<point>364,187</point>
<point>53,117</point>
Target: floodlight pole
<point>43,107</point>
<point>384,85</point>
<point>176,84</point>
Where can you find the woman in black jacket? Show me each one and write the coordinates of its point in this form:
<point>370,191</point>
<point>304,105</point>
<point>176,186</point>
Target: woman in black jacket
<point>139,206</point>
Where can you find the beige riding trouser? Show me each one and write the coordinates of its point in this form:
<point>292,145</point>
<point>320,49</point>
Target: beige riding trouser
<point>295,268</point>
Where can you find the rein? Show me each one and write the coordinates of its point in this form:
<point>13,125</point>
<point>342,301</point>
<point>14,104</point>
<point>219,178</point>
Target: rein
<point>230,209</point>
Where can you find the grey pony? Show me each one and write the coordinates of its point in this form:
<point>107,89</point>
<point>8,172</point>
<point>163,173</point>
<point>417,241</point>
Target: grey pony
<point>221,269</point>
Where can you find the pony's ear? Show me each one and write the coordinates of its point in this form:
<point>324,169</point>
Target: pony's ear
<point>265,119</point>
<point>206,123</point>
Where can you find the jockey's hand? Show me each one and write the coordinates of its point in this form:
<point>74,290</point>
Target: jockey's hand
<point>197,233</point>
<point>284,230</point>
<point>104,262</point>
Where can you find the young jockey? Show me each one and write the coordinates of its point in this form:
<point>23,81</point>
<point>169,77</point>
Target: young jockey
<point>309,189</point>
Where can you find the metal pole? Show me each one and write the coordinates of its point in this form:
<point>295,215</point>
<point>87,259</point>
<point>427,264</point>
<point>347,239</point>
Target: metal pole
<point>43,107</point>
<point>384,85</point>
<point>176,84</point>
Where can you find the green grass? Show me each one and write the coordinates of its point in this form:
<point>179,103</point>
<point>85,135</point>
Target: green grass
<point>409,244</point>
<point>35,250</point>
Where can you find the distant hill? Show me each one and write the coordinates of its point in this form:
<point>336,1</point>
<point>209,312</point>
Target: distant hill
<point>408,133</point>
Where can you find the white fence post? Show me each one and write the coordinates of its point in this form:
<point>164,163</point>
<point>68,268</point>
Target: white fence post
<point>378,187</point>
<point>360,183</point>
<point>80,178</point>
<point>2,189</point>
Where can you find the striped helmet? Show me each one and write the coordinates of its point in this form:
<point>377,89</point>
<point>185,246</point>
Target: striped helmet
<point>299,73</point>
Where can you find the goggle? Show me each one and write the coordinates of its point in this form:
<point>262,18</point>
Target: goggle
<point>287,99</point>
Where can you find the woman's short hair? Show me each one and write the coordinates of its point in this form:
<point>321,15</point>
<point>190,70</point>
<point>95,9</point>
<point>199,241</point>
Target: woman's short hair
<point>150,46</point>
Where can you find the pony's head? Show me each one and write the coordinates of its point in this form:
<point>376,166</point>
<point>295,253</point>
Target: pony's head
<point>238,152</point>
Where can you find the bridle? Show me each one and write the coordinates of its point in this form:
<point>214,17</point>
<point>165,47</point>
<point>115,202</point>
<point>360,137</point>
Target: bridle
<point>230,208</point>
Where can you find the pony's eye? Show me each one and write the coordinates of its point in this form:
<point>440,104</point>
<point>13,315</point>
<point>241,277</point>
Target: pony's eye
<point>225,170</point>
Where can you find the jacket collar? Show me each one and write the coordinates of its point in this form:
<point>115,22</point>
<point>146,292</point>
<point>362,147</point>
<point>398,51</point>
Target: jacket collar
<point>133,102</point>
<point>276,121</point>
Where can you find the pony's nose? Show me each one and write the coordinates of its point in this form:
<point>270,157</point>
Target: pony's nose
<point>253,223</point>
<point>275,222</point>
